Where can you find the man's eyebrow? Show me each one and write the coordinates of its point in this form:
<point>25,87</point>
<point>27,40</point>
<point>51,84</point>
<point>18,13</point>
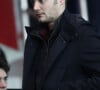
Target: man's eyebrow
<point>4,77</point>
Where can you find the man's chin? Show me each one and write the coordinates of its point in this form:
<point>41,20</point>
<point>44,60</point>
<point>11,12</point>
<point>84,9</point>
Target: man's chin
<point>42,21</point>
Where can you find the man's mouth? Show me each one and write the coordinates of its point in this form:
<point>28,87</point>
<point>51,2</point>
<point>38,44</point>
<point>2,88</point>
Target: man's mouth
<point>39,14</point>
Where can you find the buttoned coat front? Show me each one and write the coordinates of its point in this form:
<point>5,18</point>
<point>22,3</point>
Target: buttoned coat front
<point>73,57</point>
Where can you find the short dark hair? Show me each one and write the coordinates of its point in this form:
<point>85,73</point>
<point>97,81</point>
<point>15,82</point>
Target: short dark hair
<point>3,62</point>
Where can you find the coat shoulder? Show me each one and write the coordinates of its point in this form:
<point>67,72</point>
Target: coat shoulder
<point>81,25</point>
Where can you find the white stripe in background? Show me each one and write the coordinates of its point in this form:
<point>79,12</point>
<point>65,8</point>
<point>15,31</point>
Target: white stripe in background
<point>25,17</point>
<point>84,9</point>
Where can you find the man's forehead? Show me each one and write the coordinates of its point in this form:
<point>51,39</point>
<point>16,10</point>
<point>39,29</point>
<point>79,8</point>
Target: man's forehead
<point>2,72</point>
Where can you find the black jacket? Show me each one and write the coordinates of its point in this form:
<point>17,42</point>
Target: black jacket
<point>73,57</point>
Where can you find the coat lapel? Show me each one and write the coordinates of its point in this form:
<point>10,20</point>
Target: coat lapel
<point>56,50</point>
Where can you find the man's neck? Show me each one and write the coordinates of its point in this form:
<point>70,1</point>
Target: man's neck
<point>48,25</point>
<point>51,26</point>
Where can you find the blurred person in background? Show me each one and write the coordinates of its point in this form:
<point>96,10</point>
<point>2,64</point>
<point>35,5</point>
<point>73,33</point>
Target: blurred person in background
<point>62,50</point>
<point>4,69</point>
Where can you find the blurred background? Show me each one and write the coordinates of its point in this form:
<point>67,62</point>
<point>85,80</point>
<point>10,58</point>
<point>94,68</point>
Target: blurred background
<point>15,15</point>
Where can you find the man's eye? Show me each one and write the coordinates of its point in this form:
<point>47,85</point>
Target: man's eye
<point>32,2</point>
<point>6,78</point>
<point>42,1</point>
<point>0,79</point>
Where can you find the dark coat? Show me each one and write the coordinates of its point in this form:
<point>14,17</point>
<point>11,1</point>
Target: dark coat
<point>74,57</point>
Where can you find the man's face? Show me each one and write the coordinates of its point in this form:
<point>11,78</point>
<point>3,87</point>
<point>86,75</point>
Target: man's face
<point>46,10</point>
<point>3,77</point>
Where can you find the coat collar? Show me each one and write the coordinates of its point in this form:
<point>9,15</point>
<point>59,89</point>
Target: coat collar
<point>69,26</point>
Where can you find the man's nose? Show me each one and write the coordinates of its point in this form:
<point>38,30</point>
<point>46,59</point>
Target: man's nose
<point>36,5</point>
<point>3,84</point>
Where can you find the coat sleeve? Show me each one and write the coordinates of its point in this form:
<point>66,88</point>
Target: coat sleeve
<point>90,57</point>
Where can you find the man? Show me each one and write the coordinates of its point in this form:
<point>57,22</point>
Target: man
<point>4,69</point>
<point>62,50</point>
